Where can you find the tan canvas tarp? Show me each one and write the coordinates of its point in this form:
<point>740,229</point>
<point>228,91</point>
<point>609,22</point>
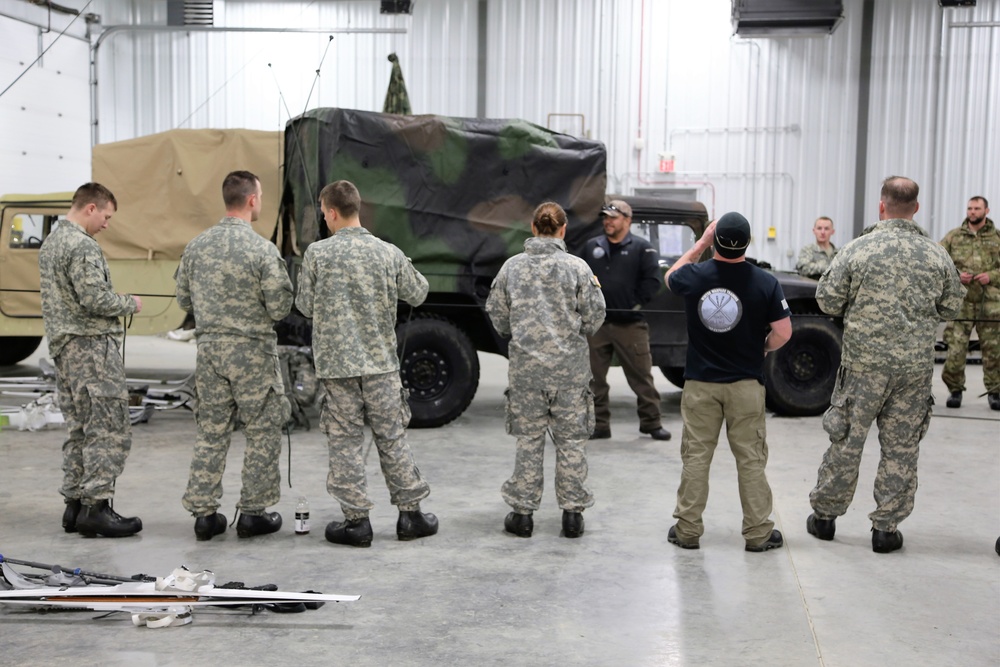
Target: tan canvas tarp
<point>169,186</point>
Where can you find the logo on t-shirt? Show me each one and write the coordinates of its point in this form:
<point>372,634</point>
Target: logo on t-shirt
<point>720,310</point>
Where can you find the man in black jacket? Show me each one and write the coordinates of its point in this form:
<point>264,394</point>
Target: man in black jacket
<point>628,269</point>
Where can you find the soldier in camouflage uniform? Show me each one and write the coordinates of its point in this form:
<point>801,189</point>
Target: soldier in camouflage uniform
<point>349,284</point>
<point>80,312</point>
<point>236,284</point>
<point>893,285</point>
<point>975,249</point>
<point>815,258</point>
<point>548,302</point>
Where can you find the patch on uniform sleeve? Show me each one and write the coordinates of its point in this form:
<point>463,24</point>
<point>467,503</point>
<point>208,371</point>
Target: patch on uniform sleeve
<point>784,304</point>
<point>595,281</point>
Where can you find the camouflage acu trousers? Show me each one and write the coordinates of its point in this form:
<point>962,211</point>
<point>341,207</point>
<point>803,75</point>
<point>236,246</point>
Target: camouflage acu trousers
<point>568,415</point>
<point>705,406</point>
<point>957,334</point>
<point>93,398</point>
<point>901,404</point>
<point>381,401</point>
<point>237,382</point>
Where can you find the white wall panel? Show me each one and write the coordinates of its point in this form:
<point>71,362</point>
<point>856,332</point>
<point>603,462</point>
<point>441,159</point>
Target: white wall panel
<point>45,116</point>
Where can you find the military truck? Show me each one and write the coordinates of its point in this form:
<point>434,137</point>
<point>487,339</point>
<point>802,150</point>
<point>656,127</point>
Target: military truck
<point>168,188</point>
<point>457,195</point>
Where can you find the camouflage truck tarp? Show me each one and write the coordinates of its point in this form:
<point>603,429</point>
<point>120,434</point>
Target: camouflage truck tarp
<point>455,194</point>
<point>169,186</point>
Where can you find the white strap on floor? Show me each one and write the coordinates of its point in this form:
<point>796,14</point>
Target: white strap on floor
<point>168,618</point>
<point>183,579</point>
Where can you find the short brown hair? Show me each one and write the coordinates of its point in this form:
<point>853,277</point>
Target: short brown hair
<point>237,188</point>
<point>899,194</point>
<point>342,196</point>
<point>548,218</point>
<point>93,193</point>
<point>981,198</point>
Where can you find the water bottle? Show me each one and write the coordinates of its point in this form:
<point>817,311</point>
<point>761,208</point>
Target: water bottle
<point>302,516</point>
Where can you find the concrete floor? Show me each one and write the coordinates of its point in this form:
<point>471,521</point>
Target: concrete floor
<point>473,595</point>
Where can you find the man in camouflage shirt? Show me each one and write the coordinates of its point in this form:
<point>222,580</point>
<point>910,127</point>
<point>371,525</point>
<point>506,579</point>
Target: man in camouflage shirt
<point>80,311</point>
<point>548,302</point>
<point>349,285</point>
<point>975,249</point>
<point>815,258</point>
<point>892,285</point>
<point>236,284</point>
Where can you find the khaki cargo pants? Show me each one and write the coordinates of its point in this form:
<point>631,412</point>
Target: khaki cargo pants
<point>704,408</point>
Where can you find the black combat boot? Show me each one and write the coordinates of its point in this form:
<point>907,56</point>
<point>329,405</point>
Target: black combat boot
<point>208,526</point>
<point>884,542</point>
<point>519,524</point>
<point>100,519</point>
<point>70,514</point>
<point>353,533</point>
<point>416,524</point>
<point>821,528</point>
<point>260,524</point>
<point>572,525</point>
<point>955,400</point>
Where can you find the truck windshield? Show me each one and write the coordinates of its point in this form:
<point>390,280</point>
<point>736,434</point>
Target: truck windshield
<point>671,239</point>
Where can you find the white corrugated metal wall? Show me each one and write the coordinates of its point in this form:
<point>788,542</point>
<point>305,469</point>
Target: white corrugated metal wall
<point>152,81</point>
<point>766,126</point>
<point>936,106</point>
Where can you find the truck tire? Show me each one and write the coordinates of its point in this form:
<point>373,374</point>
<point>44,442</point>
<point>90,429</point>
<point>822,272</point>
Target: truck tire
<point>800,376</point>
<point>675,374</point>
<point>440,368</point>
<point>18,348</point>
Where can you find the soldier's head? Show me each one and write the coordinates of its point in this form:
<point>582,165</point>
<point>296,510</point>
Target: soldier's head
<point>617,218</point>
<point>241,193</point>
<point>549,220</point>
<point>732,236</point>
<point>341,204</point>
<point>977,210</point>
<point>92,207</point>
<point>898,198</point>
<point>823,230</point>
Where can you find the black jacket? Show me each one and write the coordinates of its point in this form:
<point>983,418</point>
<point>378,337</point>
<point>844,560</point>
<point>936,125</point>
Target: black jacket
<point>629,273</point>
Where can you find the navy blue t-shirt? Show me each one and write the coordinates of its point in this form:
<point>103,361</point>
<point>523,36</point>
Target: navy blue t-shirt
<point>729,308</point>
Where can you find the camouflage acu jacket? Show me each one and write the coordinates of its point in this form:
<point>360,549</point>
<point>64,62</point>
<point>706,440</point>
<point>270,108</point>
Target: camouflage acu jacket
<point>235,283</point>
<point>77,297</point>
<point>975,253</point>
<point>349,285</point>
<point>892,286</point>
<point>813,260</point>
<point>548,302</point>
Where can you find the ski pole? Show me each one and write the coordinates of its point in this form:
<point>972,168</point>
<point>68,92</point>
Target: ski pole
<point>75,570</point>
